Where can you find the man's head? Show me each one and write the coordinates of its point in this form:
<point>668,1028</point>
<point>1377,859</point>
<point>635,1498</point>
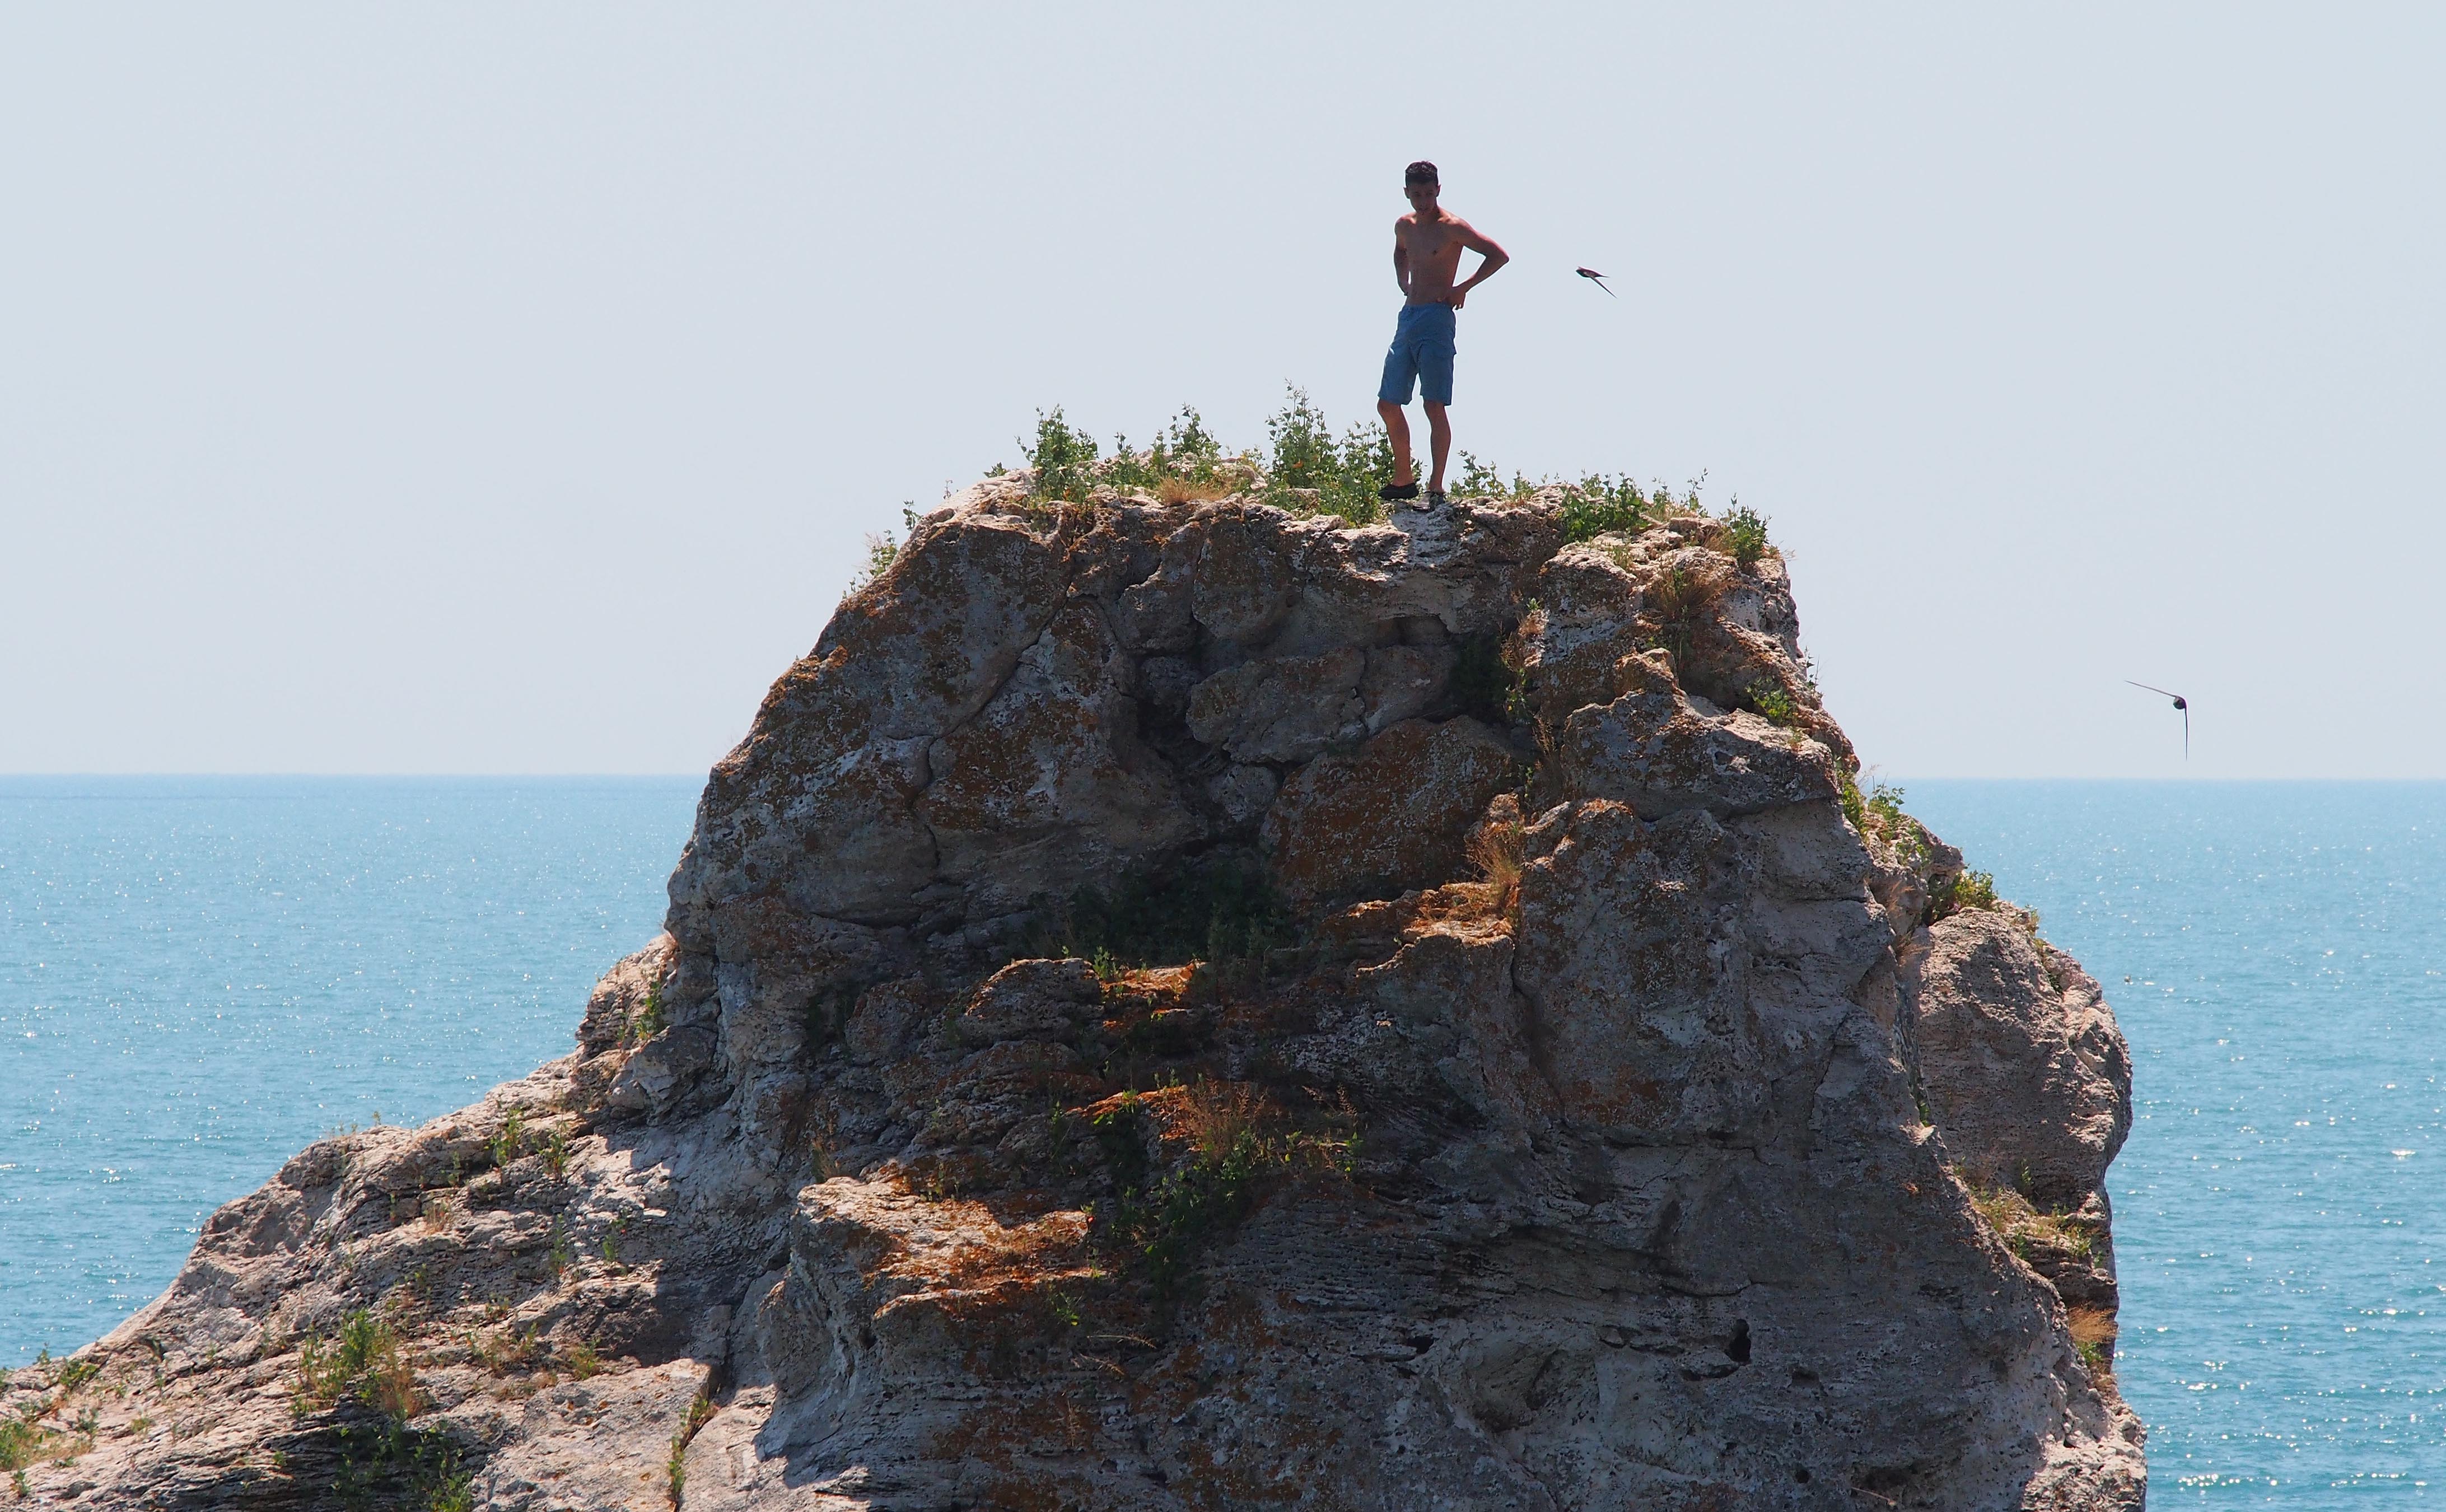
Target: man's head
<point>1419,182</point>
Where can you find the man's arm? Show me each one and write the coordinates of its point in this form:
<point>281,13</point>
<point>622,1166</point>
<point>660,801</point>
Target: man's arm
<point>1490,258</point>
<point>1400,260</point>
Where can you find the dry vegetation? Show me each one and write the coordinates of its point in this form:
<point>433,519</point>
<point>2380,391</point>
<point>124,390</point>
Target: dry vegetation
<point>2022,1225</point>
<point>2093,1334</point>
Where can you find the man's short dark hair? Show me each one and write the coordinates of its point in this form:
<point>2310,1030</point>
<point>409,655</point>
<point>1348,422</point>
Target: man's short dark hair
<point>1419,172</point>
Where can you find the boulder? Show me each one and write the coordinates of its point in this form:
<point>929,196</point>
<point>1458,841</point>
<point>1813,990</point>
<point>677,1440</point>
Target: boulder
<point>1538,1126</point>
<point>2028,1081</point>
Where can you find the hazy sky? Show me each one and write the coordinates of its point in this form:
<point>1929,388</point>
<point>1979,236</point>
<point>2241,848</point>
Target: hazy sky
<point>507,388</point>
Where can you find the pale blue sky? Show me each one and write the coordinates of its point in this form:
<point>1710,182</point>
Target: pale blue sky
<point>507,388</point>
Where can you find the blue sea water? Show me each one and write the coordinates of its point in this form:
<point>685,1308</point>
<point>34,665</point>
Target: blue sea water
<point>2274,953</point>
<point>197,976</point>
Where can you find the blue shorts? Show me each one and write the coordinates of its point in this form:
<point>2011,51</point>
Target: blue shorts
<point>1422,353</point>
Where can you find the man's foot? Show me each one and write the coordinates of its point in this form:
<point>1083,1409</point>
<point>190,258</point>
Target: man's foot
<point>1434,498</point>
<point>1398,493</point>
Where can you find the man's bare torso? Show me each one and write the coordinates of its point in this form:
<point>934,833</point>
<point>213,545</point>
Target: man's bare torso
<point>1432,248</point>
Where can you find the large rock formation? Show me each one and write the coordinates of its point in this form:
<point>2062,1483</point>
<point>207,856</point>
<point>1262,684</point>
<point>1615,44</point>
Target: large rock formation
<point>1189,1006</point>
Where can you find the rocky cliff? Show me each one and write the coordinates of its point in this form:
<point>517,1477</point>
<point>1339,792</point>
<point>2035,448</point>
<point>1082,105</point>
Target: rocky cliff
<point>1193,1005</point>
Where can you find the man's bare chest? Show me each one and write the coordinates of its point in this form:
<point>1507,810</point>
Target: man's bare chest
<point>1432,243</point>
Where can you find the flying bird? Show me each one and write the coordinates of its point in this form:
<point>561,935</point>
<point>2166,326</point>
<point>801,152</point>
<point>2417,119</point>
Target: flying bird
<point>1595,277</point>
<point>2181,707</point>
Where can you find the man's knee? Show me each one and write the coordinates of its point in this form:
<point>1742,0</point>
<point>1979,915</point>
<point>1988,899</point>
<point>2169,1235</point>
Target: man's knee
<point>1435,414</point>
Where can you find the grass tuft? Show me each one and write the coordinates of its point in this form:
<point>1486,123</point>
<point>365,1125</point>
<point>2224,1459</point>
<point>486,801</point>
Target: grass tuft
<point>504,1352</point>
<point>362,1363</point>
<point>509,1142</point>
<point>22,1443</point>
<point>2093,1336</point>
<point>675,1468</point>
<point>650,1016</point>
<point>2026,1227</point>
<point>1677,599</point>
<point>1499,851</point>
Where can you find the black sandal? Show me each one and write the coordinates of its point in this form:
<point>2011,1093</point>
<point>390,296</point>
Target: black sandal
<point>1436,499</point>
<point>1399,493</point>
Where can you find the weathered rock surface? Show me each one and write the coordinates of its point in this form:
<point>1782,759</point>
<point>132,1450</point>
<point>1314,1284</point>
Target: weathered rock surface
<point>1508,1080</point>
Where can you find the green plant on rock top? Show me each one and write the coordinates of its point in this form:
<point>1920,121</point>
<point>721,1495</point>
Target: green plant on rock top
<point>1187,450</point>
<point>1184,461</point>
<point>883,550</point>
<point>1745,535</point>
<point>1878,811</point>
<point>1600,506</point>
<point>1967,890</point>
<point>1479,480</point>
<point>1773,704</point>
<point>1308,472</point>
<point>1064,460</point>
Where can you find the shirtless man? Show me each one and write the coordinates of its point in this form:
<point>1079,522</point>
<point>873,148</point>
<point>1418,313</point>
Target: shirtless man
<point>1427,244</point>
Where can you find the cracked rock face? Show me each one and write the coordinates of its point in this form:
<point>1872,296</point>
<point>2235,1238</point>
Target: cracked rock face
<point>1505,1078</point>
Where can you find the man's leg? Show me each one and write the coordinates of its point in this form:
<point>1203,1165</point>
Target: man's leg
<point>1439,441</point>
<point>1397,426</point>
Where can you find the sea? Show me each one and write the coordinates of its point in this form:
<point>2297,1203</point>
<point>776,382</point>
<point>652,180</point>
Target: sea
<point>198,975</point>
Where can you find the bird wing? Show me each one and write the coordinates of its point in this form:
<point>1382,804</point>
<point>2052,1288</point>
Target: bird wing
<point>2187,734</point>
<point>1595,277</point>
<point>2158,690</point>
